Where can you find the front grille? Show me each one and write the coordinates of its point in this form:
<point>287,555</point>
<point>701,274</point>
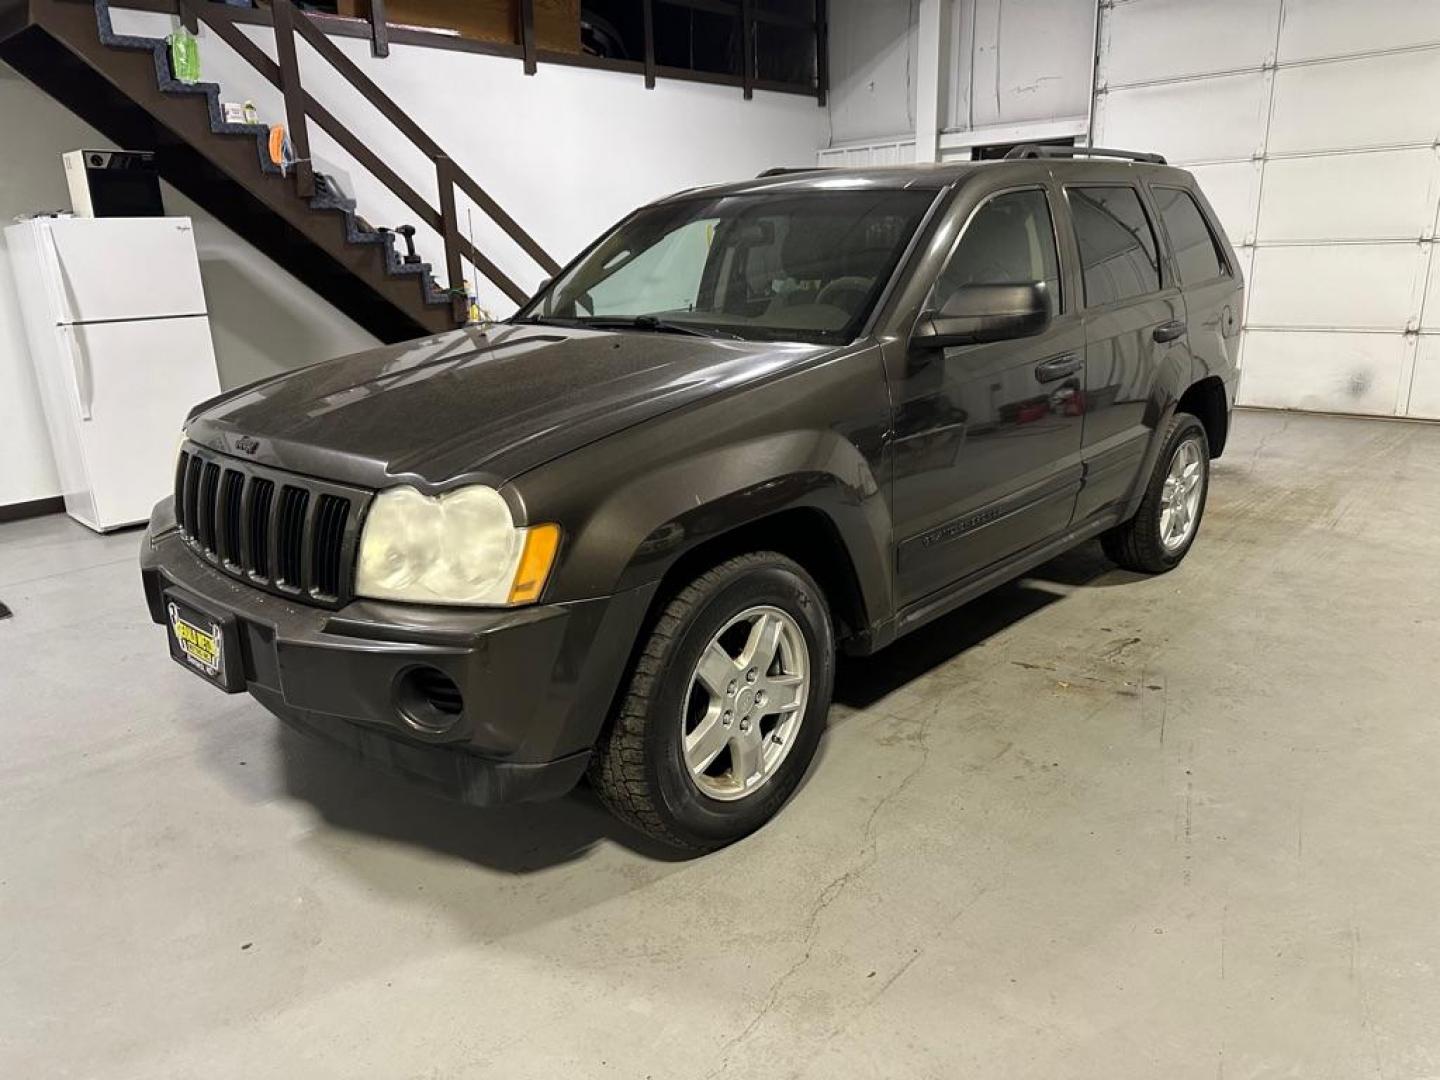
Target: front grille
<point>286,533</point>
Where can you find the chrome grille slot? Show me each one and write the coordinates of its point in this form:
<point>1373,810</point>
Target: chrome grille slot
<point>192,496</point>
<point>262,499</point>
<point>328,542</point>
<point>279,531</point>
<point>209,484</point>
<point>290,538</point>
<point>232,487</point>
<point>182,466</point>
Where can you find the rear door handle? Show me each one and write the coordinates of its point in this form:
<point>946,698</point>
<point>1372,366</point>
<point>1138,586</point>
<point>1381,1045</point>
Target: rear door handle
<point>1058,368</point>
<point>1169,331</point>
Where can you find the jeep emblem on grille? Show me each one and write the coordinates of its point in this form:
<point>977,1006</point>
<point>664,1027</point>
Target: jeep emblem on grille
<point>247,445</point>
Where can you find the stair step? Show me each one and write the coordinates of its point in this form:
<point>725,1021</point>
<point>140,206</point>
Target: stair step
<point>394,266</point>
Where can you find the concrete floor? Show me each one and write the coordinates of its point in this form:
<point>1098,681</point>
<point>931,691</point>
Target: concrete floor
<point>1092,826</point>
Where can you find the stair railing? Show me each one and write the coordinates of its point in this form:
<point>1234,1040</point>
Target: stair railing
<point>301,107</point>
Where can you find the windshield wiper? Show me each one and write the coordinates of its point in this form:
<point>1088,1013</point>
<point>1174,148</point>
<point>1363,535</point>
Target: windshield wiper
<point>547,320</point>
<point>655,324</point>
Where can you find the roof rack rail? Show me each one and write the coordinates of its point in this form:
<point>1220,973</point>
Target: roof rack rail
<point>786,170</point>
<point>1030,150</point>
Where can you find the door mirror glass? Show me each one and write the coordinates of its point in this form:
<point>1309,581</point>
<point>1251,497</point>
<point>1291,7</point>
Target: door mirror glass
<point>979,313</point>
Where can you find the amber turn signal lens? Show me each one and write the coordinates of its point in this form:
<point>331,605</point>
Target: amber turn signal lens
<point>541,544</point>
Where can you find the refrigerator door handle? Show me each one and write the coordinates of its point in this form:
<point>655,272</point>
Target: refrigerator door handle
<point>55,276</point>
<point>80,372</point>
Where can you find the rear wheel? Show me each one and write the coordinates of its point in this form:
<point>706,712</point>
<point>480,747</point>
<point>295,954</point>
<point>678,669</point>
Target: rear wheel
<point>726,705</point>
<point>1162,530</point>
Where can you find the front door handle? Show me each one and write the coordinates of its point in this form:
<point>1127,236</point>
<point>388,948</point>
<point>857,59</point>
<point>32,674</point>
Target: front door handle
<point>1169,331</point>
<point>1057,368</point>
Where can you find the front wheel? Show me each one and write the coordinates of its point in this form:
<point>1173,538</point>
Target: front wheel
<point>725,707</point>
<point>1162,530</point>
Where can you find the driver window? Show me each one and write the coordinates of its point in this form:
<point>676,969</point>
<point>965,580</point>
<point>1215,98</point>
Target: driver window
<point>1009,241</point>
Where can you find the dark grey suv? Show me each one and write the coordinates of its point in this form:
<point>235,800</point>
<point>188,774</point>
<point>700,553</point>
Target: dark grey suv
<point>626,531</point>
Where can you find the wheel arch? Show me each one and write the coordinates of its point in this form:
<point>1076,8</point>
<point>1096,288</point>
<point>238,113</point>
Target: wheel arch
<point>1205,400</point>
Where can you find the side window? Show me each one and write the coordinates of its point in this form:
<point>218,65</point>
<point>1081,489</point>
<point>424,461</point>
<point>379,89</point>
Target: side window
<point>1117,245</point>
<point>1197,258</point>
<point>1009,241</point>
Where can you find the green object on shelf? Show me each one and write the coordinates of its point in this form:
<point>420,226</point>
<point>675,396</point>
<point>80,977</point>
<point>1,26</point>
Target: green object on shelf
<point>184,55</point>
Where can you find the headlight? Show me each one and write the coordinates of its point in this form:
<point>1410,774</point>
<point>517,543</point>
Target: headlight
<point>458,548</point>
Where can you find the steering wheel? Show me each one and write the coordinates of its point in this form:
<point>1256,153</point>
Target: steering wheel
<point>850,283</point>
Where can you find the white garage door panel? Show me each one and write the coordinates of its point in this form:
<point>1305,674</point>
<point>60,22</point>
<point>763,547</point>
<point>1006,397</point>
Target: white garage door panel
<point>1149,40</point>
<point>1430,314</point>
<point>1246,255</point>
<point>1351,104</point>
<point>1370,196</point>
<point>1425,389</point>
<point>1316,28</point>
<point>1232,188</point>
<point>1347,286</point>
<point>1200,120</point>
<point>1357,373</point>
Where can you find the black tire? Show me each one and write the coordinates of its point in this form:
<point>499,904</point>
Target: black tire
<point>1136,544</point>
<point>639,769</point>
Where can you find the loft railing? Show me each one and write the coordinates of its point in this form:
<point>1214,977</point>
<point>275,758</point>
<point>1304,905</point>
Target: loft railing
<point>301,108</point>
<point>751,16</point>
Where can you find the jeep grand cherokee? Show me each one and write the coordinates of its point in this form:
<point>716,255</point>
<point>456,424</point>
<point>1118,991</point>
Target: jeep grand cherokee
<point>626,531</point>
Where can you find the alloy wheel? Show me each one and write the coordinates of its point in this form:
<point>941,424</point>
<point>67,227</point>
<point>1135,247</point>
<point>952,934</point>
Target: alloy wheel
<point>745,703</point>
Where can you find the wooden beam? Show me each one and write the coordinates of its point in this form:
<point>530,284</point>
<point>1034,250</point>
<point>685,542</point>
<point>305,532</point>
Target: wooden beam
<point>648,7</point>
<point>822,52</point>
<point>747,46</point>
<point>379,29</point>
<point>527,34</point>
<point>450,229</point>
<point>295,122</point>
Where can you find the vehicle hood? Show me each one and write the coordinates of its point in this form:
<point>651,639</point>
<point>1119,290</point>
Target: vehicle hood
<point>474,405</point>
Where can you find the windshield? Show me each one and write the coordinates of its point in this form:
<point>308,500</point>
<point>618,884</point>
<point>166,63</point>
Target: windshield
<point>804,266</point>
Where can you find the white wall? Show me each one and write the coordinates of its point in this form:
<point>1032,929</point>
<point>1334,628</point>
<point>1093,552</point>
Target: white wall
<point>567,152</point>
<point>1008,64</point>
<point>872,65</point>
<point>1019,61</point>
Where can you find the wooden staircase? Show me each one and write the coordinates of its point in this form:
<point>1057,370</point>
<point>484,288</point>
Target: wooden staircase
<point>122,85</point>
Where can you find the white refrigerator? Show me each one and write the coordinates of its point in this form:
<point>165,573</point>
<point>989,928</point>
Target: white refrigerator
<point>120,339</point>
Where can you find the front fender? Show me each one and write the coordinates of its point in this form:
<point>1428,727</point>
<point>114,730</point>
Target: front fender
<point>632,536</point>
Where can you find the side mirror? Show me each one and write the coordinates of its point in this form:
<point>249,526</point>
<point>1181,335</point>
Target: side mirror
<point>544,284</point>
<point>981,313</point>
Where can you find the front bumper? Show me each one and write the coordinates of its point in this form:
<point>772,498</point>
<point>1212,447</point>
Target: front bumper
<point>537,682</point>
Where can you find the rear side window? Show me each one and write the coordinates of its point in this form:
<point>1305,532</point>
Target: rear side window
<point>1197,258</point>
<point>1117,245</point>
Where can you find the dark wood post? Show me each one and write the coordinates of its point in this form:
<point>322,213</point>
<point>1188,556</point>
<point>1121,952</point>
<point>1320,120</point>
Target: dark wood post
<point>527,34</point>
<point>379,29</point>
<point>188,19</point>
<point>450,229</point>
<point>822,53</point>
<point>295,123</point>
<point>747,45</point>
<point>648,7</point>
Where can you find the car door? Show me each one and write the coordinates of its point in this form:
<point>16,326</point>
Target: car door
<point>986,442</point>
<point>1135,328</point>
<point>1211,283</point>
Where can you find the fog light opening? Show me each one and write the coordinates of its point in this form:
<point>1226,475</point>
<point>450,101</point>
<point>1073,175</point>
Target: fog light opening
<point>429,701</point>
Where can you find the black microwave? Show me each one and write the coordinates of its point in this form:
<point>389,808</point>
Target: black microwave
<point>113,183</point>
